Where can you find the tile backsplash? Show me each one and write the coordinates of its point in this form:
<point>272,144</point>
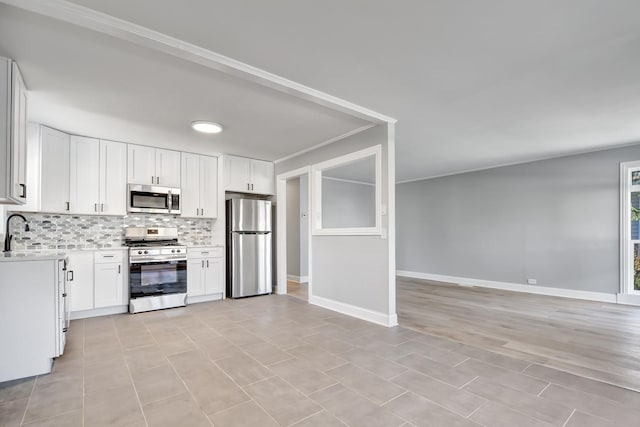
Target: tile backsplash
<point>60,231</point>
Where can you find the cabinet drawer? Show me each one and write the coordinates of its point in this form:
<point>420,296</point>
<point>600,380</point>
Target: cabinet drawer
<point>102,257</point>
<point>216,252</point>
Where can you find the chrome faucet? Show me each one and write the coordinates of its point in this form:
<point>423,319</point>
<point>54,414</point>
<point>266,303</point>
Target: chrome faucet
<point>9,236</point>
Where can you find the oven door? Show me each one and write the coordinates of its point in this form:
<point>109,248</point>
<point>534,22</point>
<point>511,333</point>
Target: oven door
<point>153,278</point>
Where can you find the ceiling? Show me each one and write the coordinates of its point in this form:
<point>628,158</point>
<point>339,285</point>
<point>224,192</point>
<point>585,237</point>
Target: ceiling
<point>473,84</point>
<point>93,84</point>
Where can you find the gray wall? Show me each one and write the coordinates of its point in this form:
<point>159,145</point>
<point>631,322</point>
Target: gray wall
<point>293,227</point>
<point>556,221</point>
<point>351,269</point>
<point>304,225</point>
<point>348,204</point>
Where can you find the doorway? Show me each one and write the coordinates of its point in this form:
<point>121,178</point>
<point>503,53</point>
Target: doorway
<point>294,234</point>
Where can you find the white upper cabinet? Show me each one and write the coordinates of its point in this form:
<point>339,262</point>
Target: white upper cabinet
<point>113,178</point>
<point>168,168</point>
<point>153,166</point>
<point>262,179</point>
<point>245,175</point>
<point>190,188</point>
<point>84,175</point>
<point>199,189</point>
<point>54,177</point>
<point>13,134</point>
<point>98,169</point>
<point>142,165</point>
<point>208,187</point>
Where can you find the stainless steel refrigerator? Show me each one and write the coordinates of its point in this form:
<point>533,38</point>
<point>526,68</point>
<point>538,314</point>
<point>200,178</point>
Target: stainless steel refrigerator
<point>249,259</point>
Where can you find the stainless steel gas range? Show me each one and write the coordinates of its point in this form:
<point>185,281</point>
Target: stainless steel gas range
<point>157,269</point>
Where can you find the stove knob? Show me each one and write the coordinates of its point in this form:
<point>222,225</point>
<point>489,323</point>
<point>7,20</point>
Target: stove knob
<point>173,251</point>
<point>139,252</point>
<point>146,252</point>
<point>178,250</point>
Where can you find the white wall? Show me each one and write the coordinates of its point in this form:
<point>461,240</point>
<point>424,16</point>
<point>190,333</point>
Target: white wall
<point>348,204</point>
<point>355,274</point>
<point>555,221</point>
<point>293,227</point>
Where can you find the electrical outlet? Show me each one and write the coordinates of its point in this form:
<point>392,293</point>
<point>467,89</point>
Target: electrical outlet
<point>532,281</point>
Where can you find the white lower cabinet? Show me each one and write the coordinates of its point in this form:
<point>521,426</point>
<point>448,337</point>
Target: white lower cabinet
<point>205,273</point>
<point>109,279</point>
<point>97,280</point>
<point>80,279</point>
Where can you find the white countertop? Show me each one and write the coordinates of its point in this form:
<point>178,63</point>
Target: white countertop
<point>31,255</point>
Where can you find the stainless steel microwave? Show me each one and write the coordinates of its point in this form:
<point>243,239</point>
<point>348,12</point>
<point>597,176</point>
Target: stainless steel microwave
<point>152,199</point>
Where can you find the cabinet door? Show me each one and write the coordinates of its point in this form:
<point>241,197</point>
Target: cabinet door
<point>237,171</point>
<point>113,181</point>
<point>80,276</point>
<point>262,179</point>
<point>141,165</point>
<point>209,186</point>
<point>195,277</point>
<point>109,285</point>
<point>19,138</point>
<point>168,168</point>
<point>190,185</point>
<point>84,175</point>
<point>54,180</point>
<point>213,277</point>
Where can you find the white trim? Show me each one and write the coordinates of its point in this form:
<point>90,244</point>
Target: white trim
<point>628,299</point>
<point>350,181</point>
<point>297,279</point>
<point>515,287</point>
<point>106,311</point>
<point>391,216</point>
<point>327,142</point>
<point>204,298</point>
<point>316,178</point>
<point>521,162</point>
<point>125,30</point>
<point>388,320</point>
<point>281,234</point>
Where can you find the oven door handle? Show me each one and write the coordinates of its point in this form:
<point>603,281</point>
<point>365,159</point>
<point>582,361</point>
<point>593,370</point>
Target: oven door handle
<point>156,260</point>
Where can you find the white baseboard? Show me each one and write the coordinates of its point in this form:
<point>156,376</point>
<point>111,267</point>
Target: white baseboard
<point>388,320</point>
<point>304,279</point>
<point>628,299</point>
<point>106,311</point>
<point>298,279</point>
<point>203,298</point>
<point>515,287</point>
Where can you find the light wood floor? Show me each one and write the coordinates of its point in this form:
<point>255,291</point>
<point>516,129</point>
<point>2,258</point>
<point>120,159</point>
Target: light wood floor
<point>298,290</point>
<point>591,339</point>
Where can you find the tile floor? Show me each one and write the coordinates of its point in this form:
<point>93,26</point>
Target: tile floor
<point>276,360</point>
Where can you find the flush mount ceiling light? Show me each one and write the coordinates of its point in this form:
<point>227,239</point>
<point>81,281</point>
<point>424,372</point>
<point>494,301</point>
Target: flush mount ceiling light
<point>206,127</point>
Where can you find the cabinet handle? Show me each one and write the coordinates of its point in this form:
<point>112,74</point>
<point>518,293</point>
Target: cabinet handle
<point>248,186</point>
<point>119,268</point>
<point>202,263</point>
<point>157,180</point>
<point>202,212</point>
<point>101,207</point>
<point>68,205</point>
<point>207,263</point>
<point>70,276</point>
<point>153,179</point>
<point>95,207</point>
<point>24,191</point>
<point>64,295</point>
<point>65,329</point>
<point>251,187</point>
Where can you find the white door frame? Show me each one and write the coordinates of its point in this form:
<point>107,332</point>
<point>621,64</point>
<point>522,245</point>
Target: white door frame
<point>281,234</point>
<point>627,293</point>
